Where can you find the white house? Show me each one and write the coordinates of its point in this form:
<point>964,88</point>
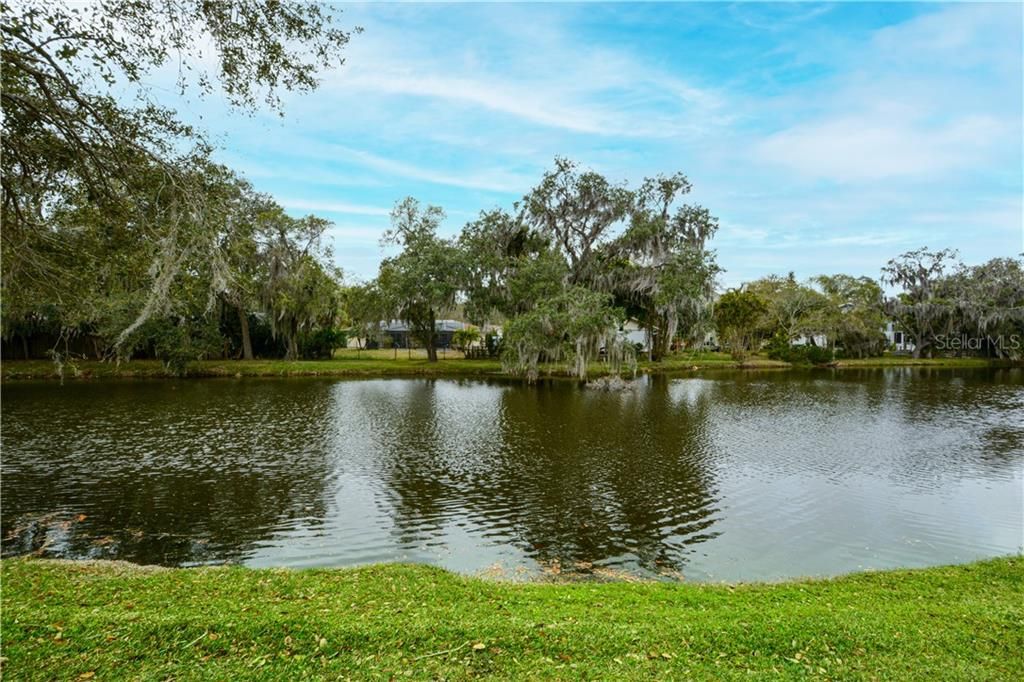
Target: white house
<point>896,339</point>
<point>820,340</point>
<point>633,334</point>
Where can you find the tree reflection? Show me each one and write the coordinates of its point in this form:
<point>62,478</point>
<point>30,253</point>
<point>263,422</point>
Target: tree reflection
<point>153,474</point>
<point>572,477</point>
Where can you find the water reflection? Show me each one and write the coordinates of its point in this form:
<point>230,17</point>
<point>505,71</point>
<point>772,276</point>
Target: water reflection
<point>565,477</point>
<point>160,472</point>
<point>720,475</point>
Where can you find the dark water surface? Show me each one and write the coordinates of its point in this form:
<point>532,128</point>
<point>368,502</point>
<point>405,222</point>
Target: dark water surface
<point>717,476</point>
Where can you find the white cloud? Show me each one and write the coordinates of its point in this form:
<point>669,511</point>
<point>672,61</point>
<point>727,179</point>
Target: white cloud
<point>491,180</point>
<point>354,233</point>
<point>936,96</point>
<point>503,97</point>
<point>529,66</point>
<point>332,207</point>
<point>865,240</point>
<point>876,146</point>
<point>969,32</point>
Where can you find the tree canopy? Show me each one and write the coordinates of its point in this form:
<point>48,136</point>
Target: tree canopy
<point>115,194</point>
<point>424,279</point>
<point>122,237</point>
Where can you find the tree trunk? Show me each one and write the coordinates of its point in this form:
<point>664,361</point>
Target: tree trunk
<point>243,321</point>
<point>430,338</point>
<point>293,342</point>
<point>671,327</point>
<point>431,343</point>
<point>24,344</point>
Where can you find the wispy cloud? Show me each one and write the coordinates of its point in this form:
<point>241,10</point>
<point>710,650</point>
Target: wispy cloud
<point>865,240</point>
<point>879,145</point>
<point>332,207</point>
<point>918,100</point>
<point>493,180</point>
<point>826,137</point>
<point>529,66</point>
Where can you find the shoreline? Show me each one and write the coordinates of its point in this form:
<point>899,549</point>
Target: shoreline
<point>454,367</point>
<point>84,619</point>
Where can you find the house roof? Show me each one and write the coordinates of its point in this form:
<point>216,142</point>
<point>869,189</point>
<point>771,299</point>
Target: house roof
<point>439,325</point>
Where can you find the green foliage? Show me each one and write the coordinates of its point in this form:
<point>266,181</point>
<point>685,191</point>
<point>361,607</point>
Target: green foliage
<point>462,339</point>
<point>366,310</point>
<point>779,348</point>
<point>179,342</point>
<point>852,317</point>
<point>792,309</point>
<point>576,210</point>
<point>660,266</point>
<point>738,317</point>
<point>497,247</point>
<point>495,344</point>
<point>989,306</point>
<point>321,344</point>
<point>921,310</point>
<point>423,280</point>
<point>573,325</point>
<point>103,199</point>
<point>300,293</point>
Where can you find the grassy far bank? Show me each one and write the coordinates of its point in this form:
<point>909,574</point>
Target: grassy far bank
<point>73,620</point>
<point>404,363</point>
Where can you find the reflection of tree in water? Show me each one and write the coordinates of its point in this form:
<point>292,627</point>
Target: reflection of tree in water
<point>417,459</point>
<point>919,427</point>
<point>975,416</point>
<point>609,476</point>
<point>151,474</point>
<point>570,476</point>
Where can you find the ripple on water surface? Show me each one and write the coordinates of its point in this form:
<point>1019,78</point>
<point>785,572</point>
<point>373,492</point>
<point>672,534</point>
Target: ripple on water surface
<point>723,476</point>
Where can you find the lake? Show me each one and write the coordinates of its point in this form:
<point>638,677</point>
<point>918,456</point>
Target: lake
<point>718,475</point>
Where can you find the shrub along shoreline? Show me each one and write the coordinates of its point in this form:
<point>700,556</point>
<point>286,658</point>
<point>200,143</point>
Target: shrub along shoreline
<point>77,620</point>
<point>383,363</point>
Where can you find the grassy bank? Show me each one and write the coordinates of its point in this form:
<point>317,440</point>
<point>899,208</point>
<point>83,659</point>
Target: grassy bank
<point>403,363</point>
<point>906,361</point>
<point>78,620</point>
<point>345,363</point>
<point>367,365</point>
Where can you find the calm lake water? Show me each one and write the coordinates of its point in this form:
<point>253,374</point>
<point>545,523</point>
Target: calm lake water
<point>716,476</point>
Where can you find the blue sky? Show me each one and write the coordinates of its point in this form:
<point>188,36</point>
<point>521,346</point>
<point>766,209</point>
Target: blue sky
<point>826,137</point>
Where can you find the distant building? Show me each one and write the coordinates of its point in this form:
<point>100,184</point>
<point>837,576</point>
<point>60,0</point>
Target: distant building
<point>633,335</point>
<point>896,339</point>
<point>401,336</point>
<point>819,340</point>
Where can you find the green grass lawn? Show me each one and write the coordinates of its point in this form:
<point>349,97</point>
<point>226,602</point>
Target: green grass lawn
<point>907,361</point>
<point>67,620</point>
<point>404,363</point>
<point>344,363</point>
